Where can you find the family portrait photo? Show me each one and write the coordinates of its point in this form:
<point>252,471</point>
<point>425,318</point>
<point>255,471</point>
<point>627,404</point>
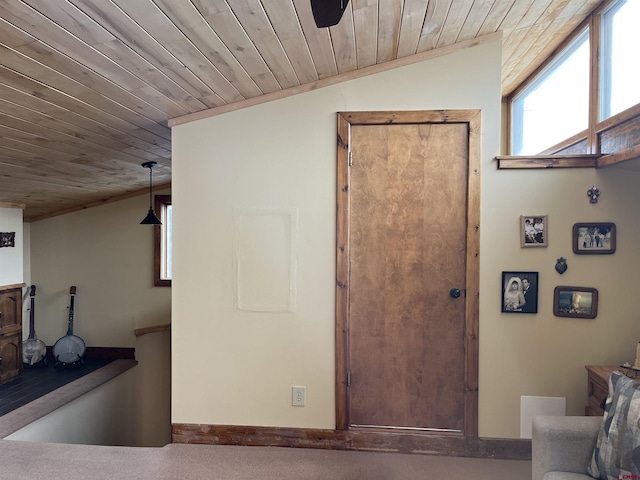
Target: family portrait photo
<point>520,292</point>
<point>594,238</point>
<point>533,230</point>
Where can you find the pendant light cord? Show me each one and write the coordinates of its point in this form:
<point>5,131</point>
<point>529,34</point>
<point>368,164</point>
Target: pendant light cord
<point>150,187</point>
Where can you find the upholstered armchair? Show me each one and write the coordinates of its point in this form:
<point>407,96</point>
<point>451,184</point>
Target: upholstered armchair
<point>562,447</point>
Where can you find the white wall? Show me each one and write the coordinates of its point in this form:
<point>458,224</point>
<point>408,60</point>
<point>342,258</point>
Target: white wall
<point>11,258</point>
<point>281,156</point>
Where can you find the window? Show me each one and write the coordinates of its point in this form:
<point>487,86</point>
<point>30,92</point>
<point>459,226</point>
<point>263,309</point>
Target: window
<point>555,105</point>
<point>163,251</point>
<point>618,66</point>
<point>586,93</point>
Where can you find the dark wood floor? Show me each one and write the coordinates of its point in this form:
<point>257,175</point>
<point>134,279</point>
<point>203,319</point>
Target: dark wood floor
<point>38,381</point>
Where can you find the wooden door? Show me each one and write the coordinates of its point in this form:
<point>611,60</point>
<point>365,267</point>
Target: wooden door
<point>410,344</point>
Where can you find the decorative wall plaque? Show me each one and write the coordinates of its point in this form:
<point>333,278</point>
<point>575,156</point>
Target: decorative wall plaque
<point>7,239</point>
<point>561,265</point>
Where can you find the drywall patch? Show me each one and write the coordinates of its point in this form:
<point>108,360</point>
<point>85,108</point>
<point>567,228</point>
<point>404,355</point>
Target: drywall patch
<point>265,259</point>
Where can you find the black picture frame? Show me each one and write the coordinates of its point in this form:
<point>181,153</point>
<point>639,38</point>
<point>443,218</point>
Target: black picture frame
<point>576,302</point>
<point>526,290</point>
<point>7,239</point>
<point>596,238</point>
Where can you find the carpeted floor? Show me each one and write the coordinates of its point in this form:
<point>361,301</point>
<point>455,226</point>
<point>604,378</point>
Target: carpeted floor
<point>53,461</point>
<point>25,460</point>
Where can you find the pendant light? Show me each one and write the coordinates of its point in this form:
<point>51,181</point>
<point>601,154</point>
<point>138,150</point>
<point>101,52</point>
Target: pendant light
<point>328,13</point>
<point>151,218</point>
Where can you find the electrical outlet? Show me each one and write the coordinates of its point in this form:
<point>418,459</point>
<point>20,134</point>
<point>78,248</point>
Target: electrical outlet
<point>299,396</point>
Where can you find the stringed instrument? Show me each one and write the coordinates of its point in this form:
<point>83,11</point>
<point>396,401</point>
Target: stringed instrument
<point>34,351</point>
<point>69,350</point>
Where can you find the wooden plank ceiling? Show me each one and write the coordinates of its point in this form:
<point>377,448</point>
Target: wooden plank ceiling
<point>87,86</point>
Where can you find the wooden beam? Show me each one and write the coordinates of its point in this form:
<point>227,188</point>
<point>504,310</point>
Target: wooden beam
<point>547,161</point>
<point>355,440</point>
<point>618,157</point>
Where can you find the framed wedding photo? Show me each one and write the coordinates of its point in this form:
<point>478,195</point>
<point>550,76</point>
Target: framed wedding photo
<point>578,302</point>
<point>594,238</point>
<point>534,230</point>
<point>520,292</point>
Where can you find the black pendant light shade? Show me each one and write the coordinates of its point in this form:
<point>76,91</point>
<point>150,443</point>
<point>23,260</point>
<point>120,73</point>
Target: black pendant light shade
<point>328,13</point>
<point>151,218</point>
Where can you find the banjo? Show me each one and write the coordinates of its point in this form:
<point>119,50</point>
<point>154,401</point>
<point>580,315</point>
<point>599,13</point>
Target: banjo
<point>69,349</point>
<point>33,350</point>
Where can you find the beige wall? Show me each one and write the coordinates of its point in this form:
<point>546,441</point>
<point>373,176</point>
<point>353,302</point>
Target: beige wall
<point>109,257</point>
<point>281,157</point>
<point>235,366</point>
<point>544,355</point>
<point>130,409</point>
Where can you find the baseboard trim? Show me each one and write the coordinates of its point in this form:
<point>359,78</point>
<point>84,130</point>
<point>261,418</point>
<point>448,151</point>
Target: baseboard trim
<point>452,445</point>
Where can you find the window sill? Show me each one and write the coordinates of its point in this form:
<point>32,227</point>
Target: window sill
<point>547,161</point>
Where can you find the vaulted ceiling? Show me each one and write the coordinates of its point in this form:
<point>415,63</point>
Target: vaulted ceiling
<point>87,87</point>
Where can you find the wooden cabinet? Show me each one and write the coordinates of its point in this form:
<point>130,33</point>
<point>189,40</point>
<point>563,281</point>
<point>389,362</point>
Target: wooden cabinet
<point>10,332</point>
<point>11,355</point>
<point>598,388</point>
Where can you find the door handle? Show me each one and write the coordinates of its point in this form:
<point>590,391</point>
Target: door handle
<point>454,292</point>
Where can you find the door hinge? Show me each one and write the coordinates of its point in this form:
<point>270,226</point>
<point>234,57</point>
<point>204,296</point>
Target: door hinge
<point>348,379</point>
<point>350,159</point>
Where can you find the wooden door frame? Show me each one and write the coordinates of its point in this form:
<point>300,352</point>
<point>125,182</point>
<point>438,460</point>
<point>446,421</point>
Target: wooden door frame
<point>343,198</point>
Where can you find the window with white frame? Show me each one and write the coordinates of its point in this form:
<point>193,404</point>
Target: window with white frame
<point>559,109</point>
<point>620,39</point>
<point>163,248</point>
<point>555,105</point>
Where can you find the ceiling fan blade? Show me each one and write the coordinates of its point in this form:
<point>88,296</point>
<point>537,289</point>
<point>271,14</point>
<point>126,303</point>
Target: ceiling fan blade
<point>328,13</point>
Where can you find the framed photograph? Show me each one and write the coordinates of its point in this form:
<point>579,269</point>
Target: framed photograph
<point>520,292</point>
<point>594,238</point>
<point>7,239</point>
<point>534,230</point>
<point>579,302</point>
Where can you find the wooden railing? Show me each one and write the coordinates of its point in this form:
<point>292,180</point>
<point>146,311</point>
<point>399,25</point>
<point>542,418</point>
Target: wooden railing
<point>155,328</point>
